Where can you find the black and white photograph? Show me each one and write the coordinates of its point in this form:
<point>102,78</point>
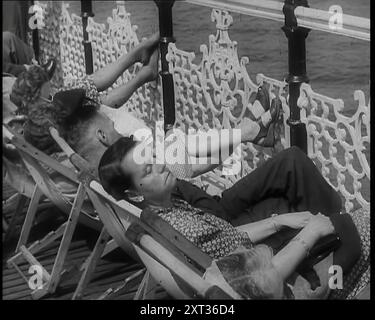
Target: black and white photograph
<point>166,150</point>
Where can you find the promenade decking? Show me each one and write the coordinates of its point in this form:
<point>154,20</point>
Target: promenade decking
<point>110,272</point>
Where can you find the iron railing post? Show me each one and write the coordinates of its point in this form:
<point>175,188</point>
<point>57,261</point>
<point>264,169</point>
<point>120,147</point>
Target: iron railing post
<point>35,39</point>
<point>297,70</point>
<point>86,12</point>
<point>166,36</point>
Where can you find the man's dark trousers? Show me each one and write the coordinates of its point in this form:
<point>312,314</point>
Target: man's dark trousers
<point>288,182</point>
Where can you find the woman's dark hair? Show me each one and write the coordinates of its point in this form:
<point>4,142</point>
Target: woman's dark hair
<point>112,178</point>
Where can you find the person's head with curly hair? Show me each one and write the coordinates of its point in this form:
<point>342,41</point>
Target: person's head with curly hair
<point>252,274</point>
<point>29,86</point>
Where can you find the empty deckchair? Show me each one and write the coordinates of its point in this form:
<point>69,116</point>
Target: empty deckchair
<point>44,185</point>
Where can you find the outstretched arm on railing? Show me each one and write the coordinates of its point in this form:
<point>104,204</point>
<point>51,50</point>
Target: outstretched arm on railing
<point>145,53</point>
<point>262,229</point>
<point>118,96</point>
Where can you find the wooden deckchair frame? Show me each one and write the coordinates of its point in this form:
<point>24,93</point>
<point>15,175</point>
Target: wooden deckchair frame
<point>31,156</point>
<point>17,203</point>
<point>172,266</point>
<point>44,185</point>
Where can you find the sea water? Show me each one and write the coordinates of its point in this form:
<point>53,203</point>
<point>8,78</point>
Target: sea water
<point>336,65</point>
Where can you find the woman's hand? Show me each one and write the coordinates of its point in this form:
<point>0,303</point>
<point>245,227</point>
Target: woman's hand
<point>295,220</point>
<point>320,226</point>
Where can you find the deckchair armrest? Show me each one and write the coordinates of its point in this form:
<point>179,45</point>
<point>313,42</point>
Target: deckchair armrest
<point>21,145</point>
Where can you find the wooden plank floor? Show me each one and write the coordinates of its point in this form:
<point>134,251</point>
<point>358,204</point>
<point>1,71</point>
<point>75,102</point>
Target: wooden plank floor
<point>109,273</point>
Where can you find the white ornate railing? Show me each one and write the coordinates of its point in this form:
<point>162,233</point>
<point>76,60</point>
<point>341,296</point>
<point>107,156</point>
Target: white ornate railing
<point>216,91</point>
<point>327,21</point>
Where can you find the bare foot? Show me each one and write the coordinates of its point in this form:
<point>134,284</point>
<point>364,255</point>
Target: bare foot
<point>146,48</point>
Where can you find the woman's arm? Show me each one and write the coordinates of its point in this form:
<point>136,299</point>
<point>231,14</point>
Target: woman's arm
<point>260,230</point>
<point>288,258</point>
<point>118,96</point>
<point>219,144</point>
<point>207,150</point>
<point>213,142</point>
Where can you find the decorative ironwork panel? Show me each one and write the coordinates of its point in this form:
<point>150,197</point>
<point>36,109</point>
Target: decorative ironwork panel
<point>49,38</point>
<point>217,92</point>
<point>339,144</point>
<point>71,43</point>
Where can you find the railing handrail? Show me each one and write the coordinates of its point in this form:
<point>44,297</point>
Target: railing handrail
<point>316,19</point>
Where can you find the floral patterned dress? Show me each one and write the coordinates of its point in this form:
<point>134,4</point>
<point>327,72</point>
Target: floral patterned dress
<point>86,83</point>
<point>211,234</point>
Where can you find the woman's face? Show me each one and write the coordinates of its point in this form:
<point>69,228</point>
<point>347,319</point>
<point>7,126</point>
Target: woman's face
<point>154,181</point>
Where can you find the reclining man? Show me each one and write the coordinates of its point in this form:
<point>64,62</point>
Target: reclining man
<point>27,99</point>
<point>89,131</point>
<point>256,272</point>
<point>288,182</point>
<point>90,127</point>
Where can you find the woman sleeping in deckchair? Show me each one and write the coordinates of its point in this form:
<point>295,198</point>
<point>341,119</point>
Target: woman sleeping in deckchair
<point>253,271</point>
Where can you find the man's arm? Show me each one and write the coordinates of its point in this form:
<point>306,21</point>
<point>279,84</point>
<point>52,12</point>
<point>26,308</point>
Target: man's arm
<point>220,143</point>
<point>209,149</point>
<point>203,164</point>
<point>118,96</point>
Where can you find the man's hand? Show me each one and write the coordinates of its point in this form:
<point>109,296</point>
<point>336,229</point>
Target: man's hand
<point>295,220</point>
